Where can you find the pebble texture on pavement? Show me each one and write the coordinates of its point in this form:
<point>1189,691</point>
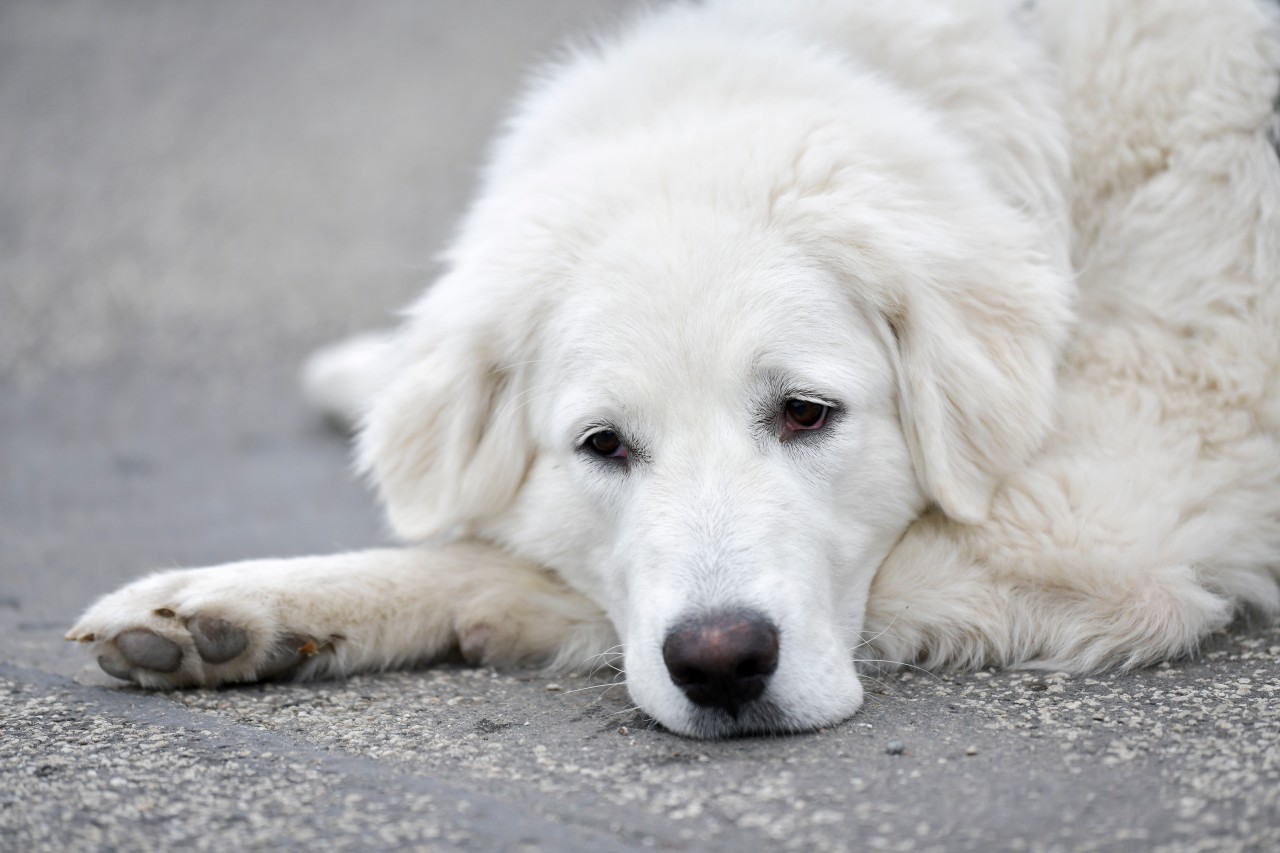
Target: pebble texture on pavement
<point>1180,757</point>
<point>194,195</point>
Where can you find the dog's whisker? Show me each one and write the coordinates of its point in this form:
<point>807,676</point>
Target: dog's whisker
<point>606,659</point>
<point>532,400</point>
<point>603,665</point>
<point>630,709</point>
<point>902,664</point>
<point>530,389</point>
<point>613,665</point>
<point>602,687</point>
<point>505,367</point>
<point>869,640</point>
<point>614,651</point>
<point>869,643</point>
<point>515,399</point>
<point>516,405</point>
<point>603,656</point>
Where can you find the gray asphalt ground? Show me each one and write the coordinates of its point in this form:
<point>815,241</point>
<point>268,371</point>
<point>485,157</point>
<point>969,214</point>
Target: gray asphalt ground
<point>193,195</point>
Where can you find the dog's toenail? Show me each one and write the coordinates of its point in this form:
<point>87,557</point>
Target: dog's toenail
<point>217,640</point>
<point>149,650</point>
<point>287,655</point>
<point>115,668</point>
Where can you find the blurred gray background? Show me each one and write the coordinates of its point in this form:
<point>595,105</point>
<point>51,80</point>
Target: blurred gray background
<point>195,194</point>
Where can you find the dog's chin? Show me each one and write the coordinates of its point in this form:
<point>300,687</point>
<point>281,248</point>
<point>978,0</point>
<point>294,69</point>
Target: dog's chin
<point>765,716</point>
<point>762,717</point>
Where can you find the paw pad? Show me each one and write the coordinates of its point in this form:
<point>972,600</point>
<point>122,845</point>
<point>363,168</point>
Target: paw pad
<point>177,649</point>
<point>147,649</point>
<point>217,640</point>
<point>114,667</point>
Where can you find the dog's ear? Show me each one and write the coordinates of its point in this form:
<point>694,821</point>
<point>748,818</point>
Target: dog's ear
<point>446,445</point>
<point>977,347</point>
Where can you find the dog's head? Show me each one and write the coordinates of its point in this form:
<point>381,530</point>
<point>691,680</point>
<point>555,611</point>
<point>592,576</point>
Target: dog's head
<point>711,375</point>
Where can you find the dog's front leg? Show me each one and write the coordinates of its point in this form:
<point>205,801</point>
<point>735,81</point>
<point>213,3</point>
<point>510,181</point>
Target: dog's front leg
<point>326,616</point>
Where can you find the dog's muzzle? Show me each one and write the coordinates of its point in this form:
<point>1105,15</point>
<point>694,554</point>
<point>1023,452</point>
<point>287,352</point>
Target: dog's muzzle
<point>723,660</point>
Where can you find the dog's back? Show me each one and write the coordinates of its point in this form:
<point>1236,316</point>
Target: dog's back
<point>1152,515</point>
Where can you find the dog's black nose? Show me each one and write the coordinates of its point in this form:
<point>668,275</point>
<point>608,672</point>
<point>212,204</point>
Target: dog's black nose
<point>723,660</point>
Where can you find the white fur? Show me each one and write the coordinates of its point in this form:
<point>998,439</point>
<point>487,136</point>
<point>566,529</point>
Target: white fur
<point>1031,250</point>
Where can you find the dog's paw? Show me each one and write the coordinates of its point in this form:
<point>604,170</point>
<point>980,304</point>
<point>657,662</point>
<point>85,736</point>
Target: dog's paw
<point>183,629</point>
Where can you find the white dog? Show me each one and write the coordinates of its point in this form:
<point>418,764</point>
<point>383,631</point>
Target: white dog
<point>788,334</point>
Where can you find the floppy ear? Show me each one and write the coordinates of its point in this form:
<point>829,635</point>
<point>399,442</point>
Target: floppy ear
<point>976,351</point>
<point>445,444</point>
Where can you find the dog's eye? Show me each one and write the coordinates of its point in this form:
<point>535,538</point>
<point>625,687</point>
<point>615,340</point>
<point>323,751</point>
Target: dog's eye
<point>805,415</point>
<point>607,444</point>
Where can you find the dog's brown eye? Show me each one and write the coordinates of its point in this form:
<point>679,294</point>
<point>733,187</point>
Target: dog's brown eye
<point>805,415</point>
<point>607,444</point>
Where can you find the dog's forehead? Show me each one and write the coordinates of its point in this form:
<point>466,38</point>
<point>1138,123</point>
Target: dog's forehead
<point>694,273</point>
<point>708,321</point>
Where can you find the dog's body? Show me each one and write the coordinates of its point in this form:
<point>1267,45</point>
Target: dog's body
<point>807,333</point>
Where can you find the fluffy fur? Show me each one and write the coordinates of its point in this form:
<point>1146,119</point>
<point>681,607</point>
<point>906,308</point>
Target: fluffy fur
<point>1030,252</point>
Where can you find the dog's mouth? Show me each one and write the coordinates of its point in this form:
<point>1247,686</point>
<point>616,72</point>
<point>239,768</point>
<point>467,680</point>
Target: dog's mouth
<point>762,717</point>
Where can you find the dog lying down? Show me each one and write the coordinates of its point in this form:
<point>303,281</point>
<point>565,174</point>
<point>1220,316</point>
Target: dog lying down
<point>786,336</point>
